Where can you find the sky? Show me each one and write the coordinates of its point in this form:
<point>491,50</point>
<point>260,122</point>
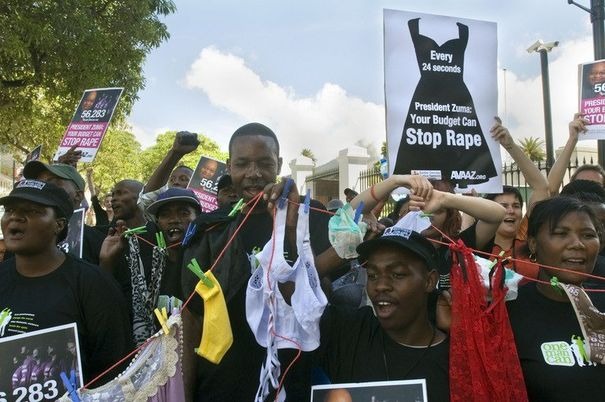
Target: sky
<point>313,70</point>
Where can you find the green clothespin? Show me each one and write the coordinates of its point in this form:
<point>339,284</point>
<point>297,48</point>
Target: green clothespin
<point>237,207</point>
<point>135,231</point>
<point>159,237</point>
<point>425,214</point>
<point>495,260</point>
<point>554,282</point>
<point>197,270</point>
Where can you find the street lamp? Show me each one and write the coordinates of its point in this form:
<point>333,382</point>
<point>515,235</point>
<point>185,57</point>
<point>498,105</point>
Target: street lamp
<point>543,49</point>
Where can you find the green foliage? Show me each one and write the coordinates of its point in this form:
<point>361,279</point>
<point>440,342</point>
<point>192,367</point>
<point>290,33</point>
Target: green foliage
<point>151,157</point>
<point>309,154</point>
<point>115,161</point>
<point>533,148</point>
<point>51,51</point>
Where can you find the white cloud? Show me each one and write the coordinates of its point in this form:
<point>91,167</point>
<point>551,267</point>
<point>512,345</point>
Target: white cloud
<point>524,104</point>
<point>332,119</point>
<point>326,123</point>
<point>145,135</point>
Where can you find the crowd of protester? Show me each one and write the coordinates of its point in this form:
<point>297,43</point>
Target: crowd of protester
<point>389,309</point>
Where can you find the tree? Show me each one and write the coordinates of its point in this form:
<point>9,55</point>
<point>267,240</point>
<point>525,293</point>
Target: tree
<point>115,161</point>
<point>533,148</point>
<point>151,157</point>
<point>307,153</point>
<point>52,50</point>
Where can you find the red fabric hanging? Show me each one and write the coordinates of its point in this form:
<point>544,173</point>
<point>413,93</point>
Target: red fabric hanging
<point>484,365</point>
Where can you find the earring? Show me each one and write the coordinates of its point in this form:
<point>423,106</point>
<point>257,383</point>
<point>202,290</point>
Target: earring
<point>532,256</point>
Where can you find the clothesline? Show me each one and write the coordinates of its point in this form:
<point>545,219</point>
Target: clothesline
<point>254,202</point>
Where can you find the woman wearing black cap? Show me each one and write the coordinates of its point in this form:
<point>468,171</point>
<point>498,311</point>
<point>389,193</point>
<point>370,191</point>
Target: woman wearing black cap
<point>44,287</point>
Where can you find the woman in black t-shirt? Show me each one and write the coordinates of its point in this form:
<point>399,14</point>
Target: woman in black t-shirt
<point>562,233</point>
<point>42,287</point>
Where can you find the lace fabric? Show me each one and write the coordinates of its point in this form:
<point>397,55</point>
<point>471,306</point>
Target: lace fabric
<point>484,365</point>
<point>154,375</point>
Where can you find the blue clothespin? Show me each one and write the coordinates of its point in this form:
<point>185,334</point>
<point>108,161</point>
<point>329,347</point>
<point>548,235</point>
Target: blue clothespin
<point>70,385</point>
<point>135,231</point>
<point>358,212</point>
<point>237,207</point>
<point>307,201</point>
<point>191,229</point>
<point>284,195</point>
<point>197,271</point>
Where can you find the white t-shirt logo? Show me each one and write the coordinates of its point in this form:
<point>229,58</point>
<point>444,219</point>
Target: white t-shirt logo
<point>562,353</point>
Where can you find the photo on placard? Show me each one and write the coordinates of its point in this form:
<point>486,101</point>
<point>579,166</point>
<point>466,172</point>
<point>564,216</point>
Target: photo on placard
<point>75,234</point>
<point>204,182</point>
<point>31,363</point>
<point>34,155</point>
<point>591,83</point>
<point>380,391</point>
<point>90,122</point>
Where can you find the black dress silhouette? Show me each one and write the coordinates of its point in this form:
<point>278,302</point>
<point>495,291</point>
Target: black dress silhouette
<point>441,85</point>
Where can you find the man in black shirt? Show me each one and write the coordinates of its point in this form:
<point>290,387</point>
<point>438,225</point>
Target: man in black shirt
<point>133,263</point>
<point>396,341</point>
<point>253,164</point>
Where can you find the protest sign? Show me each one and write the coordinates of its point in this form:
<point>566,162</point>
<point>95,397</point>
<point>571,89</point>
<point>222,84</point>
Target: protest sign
<point>402,390</point>
<point>592,98</point>
<point>34,155</point>
<point>90,122</point>
<point>32,362</point>
<point>204,182</point>
<point>441,99</point>
<point>75,234</point>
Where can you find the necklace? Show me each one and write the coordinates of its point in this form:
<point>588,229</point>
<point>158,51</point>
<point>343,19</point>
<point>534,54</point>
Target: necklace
<point>413,366</point>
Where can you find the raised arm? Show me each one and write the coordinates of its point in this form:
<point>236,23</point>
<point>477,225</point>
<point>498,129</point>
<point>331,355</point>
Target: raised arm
<point>418,185</point>
<point>533,176</point>
<point>180,148</point>
<point>557,172</point>
<point>90,182</point>
<point>489,214</point>
<point>101,217</point>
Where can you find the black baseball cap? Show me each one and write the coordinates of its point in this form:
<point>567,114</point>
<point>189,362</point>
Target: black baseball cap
<point>33,169</point>
<point>404,238</point>
<point>43,193</point>
<point>174,194</point>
